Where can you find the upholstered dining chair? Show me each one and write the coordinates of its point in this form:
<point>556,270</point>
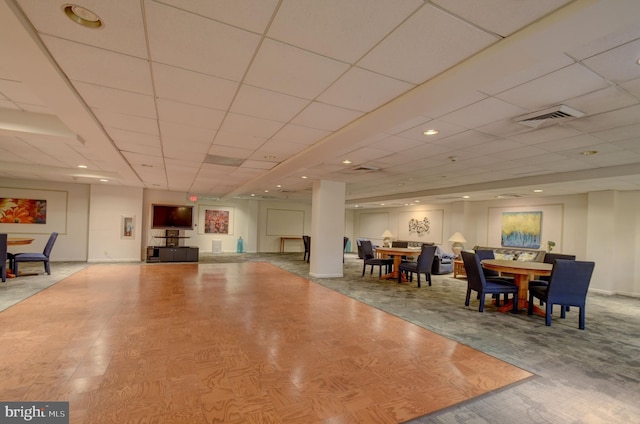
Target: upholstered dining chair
<point>36,257</point>
<point>489,254</point>
<point>306,241</point>
<point>478,282</point>
<point>568,286</point>
<point>370,259</point>
<point>3,257</point>
<point>421,266</point>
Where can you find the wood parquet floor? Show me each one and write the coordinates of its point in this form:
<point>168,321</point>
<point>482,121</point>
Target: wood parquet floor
<point>228,343</point>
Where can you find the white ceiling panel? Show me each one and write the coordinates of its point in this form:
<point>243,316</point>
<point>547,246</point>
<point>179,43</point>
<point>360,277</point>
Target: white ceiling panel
<point>101,67</point>
<point>177,133</point>
<point>300,134</point>
<point>193,87</point>
<point>353,90</point>
<point>502,17</point>
<point>290,70</point>
<point>325,117</point>
<point>553,88</point>
<point>408,53</point>
<point>250,125</point>
<point>124,102</point>
<point>233,13</point>
<point>239,141</point>
<point>188,114</point>
<point>198,43</point>
<point>482,113</point>
<point>267,104</point>
<point>619,64</point>
<point>345,30</point>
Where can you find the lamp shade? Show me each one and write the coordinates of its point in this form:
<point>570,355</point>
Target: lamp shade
<point>386,234</point>
<point>457,237</point>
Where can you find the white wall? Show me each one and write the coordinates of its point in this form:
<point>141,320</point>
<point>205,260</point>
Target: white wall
<point>108,205</point>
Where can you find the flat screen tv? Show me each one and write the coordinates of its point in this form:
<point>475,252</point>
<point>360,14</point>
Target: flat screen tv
<point>172,216</point>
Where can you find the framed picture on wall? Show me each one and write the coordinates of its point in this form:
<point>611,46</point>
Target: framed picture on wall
<point>127,227</point>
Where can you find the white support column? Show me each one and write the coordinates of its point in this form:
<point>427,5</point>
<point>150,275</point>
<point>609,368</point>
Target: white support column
<point>327,229</point>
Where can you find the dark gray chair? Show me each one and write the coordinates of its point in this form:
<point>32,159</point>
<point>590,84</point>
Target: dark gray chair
<point>370,259</point>
<point>3,257</point>
<point>489,273</point>
<point>568,286</point>
<point>306,241</point>
<point>478,282</point>
<point>421,266</point>
<point>550,258</point>
<point>36,257</point>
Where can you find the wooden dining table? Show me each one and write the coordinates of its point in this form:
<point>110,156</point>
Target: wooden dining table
<point>523,272</point>
<point>16,241</point>
<point>397,253</point>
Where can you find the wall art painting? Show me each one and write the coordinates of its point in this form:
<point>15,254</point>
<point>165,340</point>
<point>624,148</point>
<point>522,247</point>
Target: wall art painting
<point>521,229</point>
<point>23,211</point>
<point>216,221</point>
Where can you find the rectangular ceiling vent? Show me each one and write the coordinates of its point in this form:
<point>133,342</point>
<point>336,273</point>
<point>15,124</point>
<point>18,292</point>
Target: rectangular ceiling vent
<point>550,116</point>
<point>223,160</point>
<point>365,168</point>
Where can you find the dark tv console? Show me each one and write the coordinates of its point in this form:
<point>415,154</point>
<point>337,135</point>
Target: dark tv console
<point>171,251</point>
<point>172,254</point>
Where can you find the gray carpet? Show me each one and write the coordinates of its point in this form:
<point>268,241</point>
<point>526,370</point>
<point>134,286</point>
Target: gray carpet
<point>590,376</point>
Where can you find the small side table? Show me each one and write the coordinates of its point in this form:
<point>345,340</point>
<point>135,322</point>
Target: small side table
<point>458,268</point>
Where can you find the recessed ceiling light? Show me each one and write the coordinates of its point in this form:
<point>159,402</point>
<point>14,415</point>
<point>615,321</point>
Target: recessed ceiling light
<point>266,191</point>
<point>430,132</point>
<point>82,16</point>
<point>269,157</point>
<point>466,197</point>
<point>346,162</point>
<point>304,177</point>
<point>252,194</point>
<point>82,166</point>
<point>588,152</point>
<point>104,180</point>
<point>537,190</point>
<point>381,204</point>
<point>279,186</point>
<point>417,201</point>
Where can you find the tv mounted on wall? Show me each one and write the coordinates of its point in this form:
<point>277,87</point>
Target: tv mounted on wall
<point>172,217</point>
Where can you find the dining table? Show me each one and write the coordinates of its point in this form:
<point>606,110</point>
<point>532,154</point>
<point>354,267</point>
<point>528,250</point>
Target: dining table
<point>16,241</point>
<point>397,253</point>
<point>523,272</point>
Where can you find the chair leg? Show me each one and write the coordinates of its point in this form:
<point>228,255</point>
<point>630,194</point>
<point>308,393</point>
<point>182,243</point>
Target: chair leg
<point>418,279</point>
<point>514,309</point>
<point>563,312</point>
<point>581,318</point>
<point>481,307</point>
<point>547,315</point>
<point>466,300</point>
<point>428,274</point>
<point>47,268</point>
<point>364,268</point>
<point>530,305</point>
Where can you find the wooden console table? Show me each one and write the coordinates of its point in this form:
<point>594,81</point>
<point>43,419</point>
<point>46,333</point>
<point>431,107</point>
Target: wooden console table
<point>283,239</point>
<point>458,268</point>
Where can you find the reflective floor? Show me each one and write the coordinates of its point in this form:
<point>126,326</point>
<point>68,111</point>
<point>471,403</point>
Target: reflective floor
<point>232,343</point>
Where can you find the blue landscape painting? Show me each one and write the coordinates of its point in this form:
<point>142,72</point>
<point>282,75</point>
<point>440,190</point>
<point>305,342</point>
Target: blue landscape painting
<point>521,229</point>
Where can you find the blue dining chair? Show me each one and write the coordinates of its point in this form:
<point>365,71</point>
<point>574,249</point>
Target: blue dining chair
<point>3,257</point>
<point>568,286</point>
<point>36,257</point>
<point>477,281</point>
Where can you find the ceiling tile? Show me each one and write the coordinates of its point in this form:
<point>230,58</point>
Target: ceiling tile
<point>362,90</point>
<point>97,66</point>
<point>482,113</point>
<point>344,30</point>
<point>619,64</point>
<point>289,70</point>
<point>188,114</point>
<point>300,134</point>
<point>409,53</point>
<point>125,102</point>
<point>189,43</point>
<point>325,117</point>
<point>267,104</point>
<point>553,88</point>
<point>250,125</point>
<point>503,17</point>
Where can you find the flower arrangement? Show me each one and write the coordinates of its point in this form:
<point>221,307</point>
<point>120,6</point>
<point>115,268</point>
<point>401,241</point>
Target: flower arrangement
<point>550,245</point>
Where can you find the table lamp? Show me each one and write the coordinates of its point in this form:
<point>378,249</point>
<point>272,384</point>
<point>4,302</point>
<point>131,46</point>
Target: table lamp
<point>386,242</point>
<point>456,246</point>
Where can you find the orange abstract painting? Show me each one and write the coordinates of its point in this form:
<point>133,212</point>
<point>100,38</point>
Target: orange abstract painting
<point>23,211</point>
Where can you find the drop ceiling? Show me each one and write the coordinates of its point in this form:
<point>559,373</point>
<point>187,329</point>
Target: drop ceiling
<point>233,99</point>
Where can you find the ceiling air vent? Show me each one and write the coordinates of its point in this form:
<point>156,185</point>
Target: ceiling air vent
<point>223,160</point>
<point>365,168</point>
<point>550,116</point>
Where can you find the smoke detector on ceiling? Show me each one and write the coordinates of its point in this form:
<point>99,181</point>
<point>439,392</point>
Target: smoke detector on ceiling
<point>551,116</point>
